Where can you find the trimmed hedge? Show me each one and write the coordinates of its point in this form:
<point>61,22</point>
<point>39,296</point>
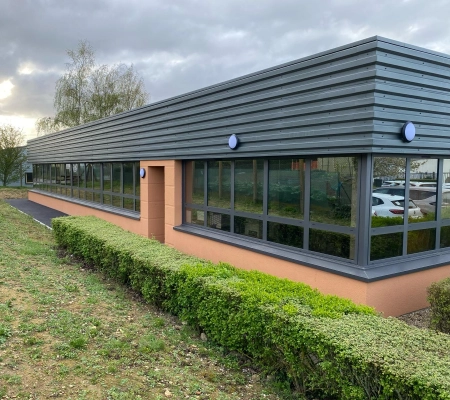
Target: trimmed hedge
<point>325,346</point>
<point>439,299</point>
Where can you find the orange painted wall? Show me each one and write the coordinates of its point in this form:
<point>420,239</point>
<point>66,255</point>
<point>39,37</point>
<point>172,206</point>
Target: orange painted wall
<point>161,210</point>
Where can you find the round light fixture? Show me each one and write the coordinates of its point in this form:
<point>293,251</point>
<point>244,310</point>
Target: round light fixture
<point>142,172</point>
<point>233,142</point>
<point>408,131</point>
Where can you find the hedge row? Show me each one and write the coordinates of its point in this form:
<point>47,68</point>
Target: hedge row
<point>439,298</point>
<point>327,347</point>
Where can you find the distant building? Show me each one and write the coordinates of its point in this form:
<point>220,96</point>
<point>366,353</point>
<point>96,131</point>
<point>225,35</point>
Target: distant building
<point>26,175</point>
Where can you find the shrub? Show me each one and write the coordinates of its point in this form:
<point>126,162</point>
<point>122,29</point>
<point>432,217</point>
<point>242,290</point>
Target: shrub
<point>439,299</point>
<point>325,346</point>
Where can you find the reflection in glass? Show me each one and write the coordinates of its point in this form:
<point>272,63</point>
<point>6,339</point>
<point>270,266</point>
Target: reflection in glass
<point>219,184</point>
<point>107,199</point>
<point>445,236</point>
<point>128,204</point>
<point>388,180</point>
<point>286,187</point>
<point>82,175</point>
<point>89,168</point>
<point>332,243</point>
<point>96,197</point>
<point>386,246</point>
<point>289,235</point>
<point>137,179</point>
<point>193,216</point>
<point>248,227</point>
<point>218,221</point>
<point>107,177</point>
<point>117,201</point>
<point>138,205</point>
<point>334,191</point>
<point>423,187</point>
<point>116,174</point>
<point>445,193</point>
<point>248,186</point>
<point>421,240</point>
<point>96,176</point>
<point>194,182</point>
<point>128,178</point>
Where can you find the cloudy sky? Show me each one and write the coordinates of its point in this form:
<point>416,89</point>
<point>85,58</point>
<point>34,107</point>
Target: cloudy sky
<point>182,45</point>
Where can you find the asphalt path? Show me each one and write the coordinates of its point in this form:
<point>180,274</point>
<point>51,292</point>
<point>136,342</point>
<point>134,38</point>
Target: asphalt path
<point>40,213</point>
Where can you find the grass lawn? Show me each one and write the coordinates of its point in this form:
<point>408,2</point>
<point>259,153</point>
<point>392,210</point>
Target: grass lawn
<point>68,332</point>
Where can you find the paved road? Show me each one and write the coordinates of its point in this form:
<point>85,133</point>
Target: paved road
<point>40,213</point>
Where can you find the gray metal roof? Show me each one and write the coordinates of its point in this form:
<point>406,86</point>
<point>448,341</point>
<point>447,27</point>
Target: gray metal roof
<point>352,99</point>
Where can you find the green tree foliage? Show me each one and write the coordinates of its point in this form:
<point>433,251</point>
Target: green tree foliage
<point>87,92</point>
<point>12,156</point>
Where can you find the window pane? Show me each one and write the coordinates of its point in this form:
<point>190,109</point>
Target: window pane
<point>445,193</point>
<point>386,246</point>
<point>82,175</point>
<point>218,221</point>
<point>289,235</point>
<point>96,197</point>
<point>334,194</point>
<point>388,181</point>
<point>89,196</point>
<point>137,168</point>
<point>117,172</point>
<point>445,236</point>
<point>423,181</point>
<point>107,177</point>
<point>117,201</point>
<point>107,199</point>
<point>75,192</point>
<point>332,243</point>
<point>89,168</point>
<point>194,182</point>
<point>96,176</point>
<point>128,203</point>
<point>421,240</point>
<point>219,182</point>
<point>128,187</point>
<point>248,185</point>
<point>196,217</point>
<point>138,205</point>
<point>286,187</point>
<point>248,227</point>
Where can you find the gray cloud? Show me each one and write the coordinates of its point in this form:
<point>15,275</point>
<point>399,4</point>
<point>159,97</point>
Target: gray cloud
<point>183,45</point>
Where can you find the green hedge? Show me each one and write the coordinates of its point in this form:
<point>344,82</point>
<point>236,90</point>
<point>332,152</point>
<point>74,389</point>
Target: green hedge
<point>325,346</point>
<point>439,299</point>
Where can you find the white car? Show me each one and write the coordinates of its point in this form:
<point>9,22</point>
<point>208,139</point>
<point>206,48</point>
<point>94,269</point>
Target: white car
<point>387,205</point>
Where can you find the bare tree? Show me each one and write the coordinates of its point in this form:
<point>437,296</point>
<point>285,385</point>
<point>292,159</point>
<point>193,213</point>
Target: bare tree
<point>87,92</point>
<point>12,155</point>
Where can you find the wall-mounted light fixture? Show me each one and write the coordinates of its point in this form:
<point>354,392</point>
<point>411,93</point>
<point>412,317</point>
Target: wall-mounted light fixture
<point>142,172</point>
<point>408,131</point>
<point>233,142</point>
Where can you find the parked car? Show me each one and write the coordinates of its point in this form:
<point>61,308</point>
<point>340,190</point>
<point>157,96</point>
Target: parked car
<point>387,205</point>
<point>394,190</point>
<point>425,198</point>
<point>392,183</point>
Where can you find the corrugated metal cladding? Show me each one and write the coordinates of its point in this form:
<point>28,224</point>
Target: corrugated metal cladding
<point>353,99</point>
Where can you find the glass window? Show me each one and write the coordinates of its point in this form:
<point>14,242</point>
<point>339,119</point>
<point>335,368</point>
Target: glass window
<point>219,184</point>
<point>332,243</point>
<point>107,199</point>
<point>218,221</point>
<point>128,203</point>
<point>423,181</point>
<point>445,236</point>
<point>116,174</point>
<point>248,227</point>
<point>289,235</point>
<point>421,240</point>
<point>128,178</point>
<point>248,186</point>
<point>82,175</point>
<point>334,191</point>
<point>386,246</point>
<point>96,176</point>
<point>286,188</point>
<point>194,182</point>
<point>107,177</point>
<point>89,180</point>
<point>388,180</point>
<point>193,216</point>
<point>137,179</point>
